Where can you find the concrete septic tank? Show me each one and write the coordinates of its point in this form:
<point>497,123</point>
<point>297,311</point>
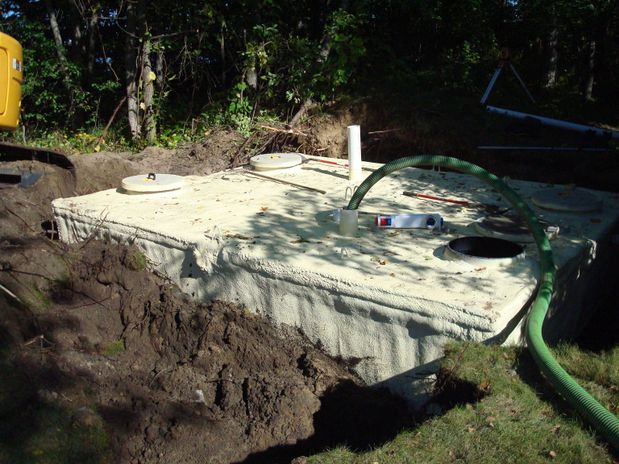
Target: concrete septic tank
<point>389,299</point>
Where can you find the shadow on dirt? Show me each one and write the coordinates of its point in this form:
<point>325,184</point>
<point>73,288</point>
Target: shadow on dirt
<point>359,418</point>
<point>363,418</point>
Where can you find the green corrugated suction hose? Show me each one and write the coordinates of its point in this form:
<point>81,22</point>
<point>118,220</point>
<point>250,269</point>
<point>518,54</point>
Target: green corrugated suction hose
<point>599,417</point>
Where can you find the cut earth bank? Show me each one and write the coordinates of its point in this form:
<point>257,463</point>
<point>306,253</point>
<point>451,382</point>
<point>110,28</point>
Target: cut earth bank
<point>99,365</point>
<point>103,360</point>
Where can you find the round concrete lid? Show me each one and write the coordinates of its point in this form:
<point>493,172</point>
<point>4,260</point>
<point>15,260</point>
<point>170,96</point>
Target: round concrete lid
<point>271,161</point>
<point>506,226</point>
<point>152,183</point>
<point>571,200</point>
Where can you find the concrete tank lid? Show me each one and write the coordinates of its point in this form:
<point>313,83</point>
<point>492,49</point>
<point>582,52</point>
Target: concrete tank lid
<point>506,226</point>
<point>152,183</point>
<point>567,199</point>
<point>271,161</point>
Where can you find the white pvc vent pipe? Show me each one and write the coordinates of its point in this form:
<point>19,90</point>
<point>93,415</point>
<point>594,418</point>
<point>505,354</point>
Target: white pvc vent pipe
<point>354,154</point>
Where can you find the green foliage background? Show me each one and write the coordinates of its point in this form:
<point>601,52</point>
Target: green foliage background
<point>230,62</point>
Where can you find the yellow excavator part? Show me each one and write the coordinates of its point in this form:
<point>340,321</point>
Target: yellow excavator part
<point>11,77</point>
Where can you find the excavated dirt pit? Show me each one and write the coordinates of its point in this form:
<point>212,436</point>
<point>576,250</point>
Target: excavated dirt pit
<point>89,331</point>
<point>100,340</point>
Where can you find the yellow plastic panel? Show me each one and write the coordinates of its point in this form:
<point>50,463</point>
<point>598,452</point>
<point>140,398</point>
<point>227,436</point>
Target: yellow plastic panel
<point>11,77</point>
<point>4,79</point>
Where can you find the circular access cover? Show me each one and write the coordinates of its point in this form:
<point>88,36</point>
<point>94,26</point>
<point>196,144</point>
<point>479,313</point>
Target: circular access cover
<point>567,199</point>
<point>152,183</point>
<point>506,226</point>
<point>484,250</point>
<point>270,161</point>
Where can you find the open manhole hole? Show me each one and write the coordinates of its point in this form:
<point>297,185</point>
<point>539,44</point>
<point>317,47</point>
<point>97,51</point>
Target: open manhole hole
<point>50,228</point>
<point>484,250</point>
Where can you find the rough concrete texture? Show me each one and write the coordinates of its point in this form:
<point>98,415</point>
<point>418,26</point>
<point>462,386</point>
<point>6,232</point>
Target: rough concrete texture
<point>386,299</point>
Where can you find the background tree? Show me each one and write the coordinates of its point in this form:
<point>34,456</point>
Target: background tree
<point>174,62</point>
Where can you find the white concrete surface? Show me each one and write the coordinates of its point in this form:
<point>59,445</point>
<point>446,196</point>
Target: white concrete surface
<point>386,298</point>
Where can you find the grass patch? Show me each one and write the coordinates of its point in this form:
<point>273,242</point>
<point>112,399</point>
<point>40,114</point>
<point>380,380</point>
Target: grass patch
<point>36,432</point>
<point>114,349</point>
<point>137,261</point>
<point>519,420</point>
<point>40,300</point>
<point>598,373</point>
<point>50,437</point>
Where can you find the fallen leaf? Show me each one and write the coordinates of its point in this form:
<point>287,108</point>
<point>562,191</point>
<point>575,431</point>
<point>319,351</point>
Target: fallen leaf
<point>264,209</point>
<point>239,236</point>
<point>480,269</point>
<point>490,420</point>
<point>484,385</point>
<point>552,454</point>
<point>471,429</point>
<point>556,428</point>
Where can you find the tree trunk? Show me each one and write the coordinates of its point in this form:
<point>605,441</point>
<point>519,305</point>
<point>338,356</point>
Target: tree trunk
<point>131,88</point>
<point>550,77</point>
<point>92,27</point>
<point>588,90</point>
<point>323,55</point>
<point>160,75</point>
<point>60,51</point>
<point>148,80</point>
<point>222,53</point>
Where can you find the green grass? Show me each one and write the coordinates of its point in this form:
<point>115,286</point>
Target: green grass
<point>36,432</point>
<point>520,420</point>
<point>40,299</point>
<point>50,437</point>
<point>114,349</point>
<point>137,261</point>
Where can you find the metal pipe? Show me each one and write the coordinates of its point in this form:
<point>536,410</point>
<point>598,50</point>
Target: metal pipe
<point>490,85</point>
<point>555,122</point>
<point>511,66</point>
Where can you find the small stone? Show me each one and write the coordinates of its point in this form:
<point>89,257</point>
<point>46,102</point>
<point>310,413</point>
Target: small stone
<point>198,396</point>
<point>85,417</point>
<point>47,396</point>
<point>151,433</point>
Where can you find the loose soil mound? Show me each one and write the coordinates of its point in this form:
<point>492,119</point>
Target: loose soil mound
<point>89,331</point>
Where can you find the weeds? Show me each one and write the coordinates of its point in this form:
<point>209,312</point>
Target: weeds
<point>114,349</point>
<point>511,424</point>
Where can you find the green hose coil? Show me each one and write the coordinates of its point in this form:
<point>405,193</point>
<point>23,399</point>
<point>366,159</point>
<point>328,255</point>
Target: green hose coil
<point>606,423</point>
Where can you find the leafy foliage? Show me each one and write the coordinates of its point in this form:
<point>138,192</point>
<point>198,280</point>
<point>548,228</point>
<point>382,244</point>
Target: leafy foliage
<point>241,59</point>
